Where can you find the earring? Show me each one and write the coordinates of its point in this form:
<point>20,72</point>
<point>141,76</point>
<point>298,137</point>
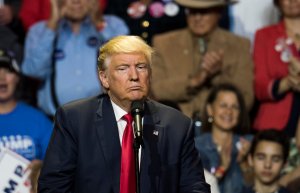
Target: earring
<point>210,119</point>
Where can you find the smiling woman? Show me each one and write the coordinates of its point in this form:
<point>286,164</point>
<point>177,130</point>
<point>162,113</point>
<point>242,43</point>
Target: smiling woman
<point>222,145</point>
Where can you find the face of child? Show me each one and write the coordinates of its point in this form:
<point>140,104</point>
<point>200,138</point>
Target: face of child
<point>8,84</point>
<point>267,162</point>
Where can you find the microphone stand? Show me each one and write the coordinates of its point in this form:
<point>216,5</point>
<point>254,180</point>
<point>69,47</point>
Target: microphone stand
<point>138,142</point>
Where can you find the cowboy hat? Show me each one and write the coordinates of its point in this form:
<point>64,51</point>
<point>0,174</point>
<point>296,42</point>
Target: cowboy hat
<point>204,3</point>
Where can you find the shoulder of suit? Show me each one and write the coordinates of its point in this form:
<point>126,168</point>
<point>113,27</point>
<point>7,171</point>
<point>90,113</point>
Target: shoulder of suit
<point>229,36</point>
<point>86,103</point>
<point>164,110</point>
<point>232,40</point>
<point>170,36</point>
<point>271,29</point>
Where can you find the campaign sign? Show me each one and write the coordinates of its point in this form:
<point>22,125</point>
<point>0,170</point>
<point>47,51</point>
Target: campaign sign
<point>13,178</point>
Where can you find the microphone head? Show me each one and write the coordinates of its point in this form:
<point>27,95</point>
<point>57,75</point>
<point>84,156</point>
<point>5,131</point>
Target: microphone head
<point>137,107</point>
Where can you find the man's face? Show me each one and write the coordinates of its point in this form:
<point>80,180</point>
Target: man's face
<point>76,10</point>
<point>126,78</point>
<point>267,162</point>
<point>202,21</point>
<point>8,84</point>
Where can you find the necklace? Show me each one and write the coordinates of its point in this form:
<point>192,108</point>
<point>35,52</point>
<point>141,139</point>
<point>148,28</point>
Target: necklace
<point>268,192</point>
<point>275,191</point>
<point>294,34</point>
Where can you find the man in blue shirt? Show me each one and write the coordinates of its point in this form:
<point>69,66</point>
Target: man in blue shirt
<point>62,51</point>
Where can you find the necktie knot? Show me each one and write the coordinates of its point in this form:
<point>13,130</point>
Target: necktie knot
<point>128,118</point>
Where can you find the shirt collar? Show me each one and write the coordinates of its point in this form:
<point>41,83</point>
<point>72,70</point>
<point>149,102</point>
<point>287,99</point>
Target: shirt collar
<point>119,112</point>
<point>66,23</point>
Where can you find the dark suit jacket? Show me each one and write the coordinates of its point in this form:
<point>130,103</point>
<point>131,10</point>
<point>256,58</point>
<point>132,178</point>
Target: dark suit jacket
<point>84,152</point>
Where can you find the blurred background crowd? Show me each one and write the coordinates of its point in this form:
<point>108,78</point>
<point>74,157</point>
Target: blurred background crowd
<point>232,66</point>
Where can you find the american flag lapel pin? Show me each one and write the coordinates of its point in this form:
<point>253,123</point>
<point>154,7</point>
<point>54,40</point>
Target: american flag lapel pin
<point>155,132</point>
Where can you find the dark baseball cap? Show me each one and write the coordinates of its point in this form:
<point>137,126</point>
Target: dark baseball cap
<point>7,60</point>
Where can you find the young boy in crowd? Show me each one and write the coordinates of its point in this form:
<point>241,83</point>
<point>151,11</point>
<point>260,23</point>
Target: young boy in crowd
<point>267,156</point>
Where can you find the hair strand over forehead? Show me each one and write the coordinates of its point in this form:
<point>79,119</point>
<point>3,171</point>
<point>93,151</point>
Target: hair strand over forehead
<point>123,44</point>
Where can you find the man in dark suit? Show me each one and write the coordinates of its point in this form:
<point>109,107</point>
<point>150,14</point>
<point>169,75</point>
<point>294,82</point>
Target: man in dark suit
<point>85,152</point>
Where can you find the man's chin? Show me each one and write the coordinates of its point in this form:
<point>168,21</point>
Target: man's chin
<point>135,97</point>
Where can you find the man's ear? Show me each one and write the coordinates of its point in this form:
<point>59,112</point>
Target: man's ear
<point>103,79</point>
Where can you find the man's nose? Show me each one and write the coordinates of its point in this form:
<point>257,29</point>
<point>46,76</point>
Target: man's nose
<point>133,73</point>
<point>268,163</point>
<point>2,73</point>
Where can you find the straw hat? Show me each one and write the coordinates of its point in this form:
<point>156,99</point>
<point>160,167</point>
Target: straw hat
<point>200,4</point>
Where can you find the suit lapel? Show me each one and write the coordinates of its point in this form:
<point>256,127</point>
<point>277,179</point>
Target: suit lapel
<point>107,131</point>
<point>150,160</point>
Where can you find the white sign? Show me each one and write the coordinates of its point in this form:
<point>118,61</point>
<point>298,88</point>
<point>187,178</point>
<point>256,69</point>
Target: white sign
<point>13,178</point>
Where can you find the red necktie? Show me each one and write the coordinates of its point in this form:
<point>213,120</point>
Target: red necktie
<point>127,176</point>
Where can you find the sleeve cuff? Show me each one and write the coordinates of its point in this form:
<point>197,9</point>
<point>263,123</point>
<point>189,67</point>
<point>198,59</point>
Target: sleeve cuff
<point>275,88</point>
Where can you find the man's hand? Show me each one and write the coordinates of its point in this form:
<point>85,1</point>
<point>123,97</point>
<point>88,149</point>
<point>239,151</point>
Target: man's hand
<point>212,62</point>
<point>57,12</point>
<point>35,168</point>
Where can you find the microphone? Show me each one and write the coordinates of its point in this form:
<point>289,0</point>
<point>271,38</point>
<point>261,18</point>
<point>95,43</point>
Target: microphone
<point>137,112</point>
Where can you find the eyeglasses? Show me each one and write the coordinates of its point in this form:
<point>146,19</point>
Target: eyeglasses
<point>192,11</point>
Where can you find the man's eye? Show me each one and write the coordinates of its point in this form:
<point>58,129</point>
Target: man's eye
<point>277,159</point>
<point>260,157</point>
<point>122,68</point>
<point>142,67</point>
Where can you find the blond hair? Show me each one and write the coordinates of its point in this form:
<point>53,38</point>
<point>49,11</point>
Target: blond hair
<point>123,44</point>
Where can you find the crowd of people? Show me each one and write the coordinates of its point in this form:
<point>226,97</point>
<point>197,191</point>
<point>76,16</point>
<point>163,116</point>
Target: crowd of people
<point>238,84</point>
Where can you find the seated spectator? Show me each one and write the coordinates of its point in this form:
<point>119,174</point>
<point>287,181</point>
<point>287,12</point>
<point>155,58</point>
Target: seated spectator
<point>268,154</point>
<point>62,51</point>
<point>190,61</point>
<point>277,71</point>
<point>222,144</point>
<point>20,123</point>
